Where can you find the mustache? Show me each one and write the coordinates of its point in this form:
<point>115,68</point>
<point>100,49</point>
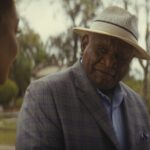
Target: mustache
<point>107,71</point>
<point>111,71</point>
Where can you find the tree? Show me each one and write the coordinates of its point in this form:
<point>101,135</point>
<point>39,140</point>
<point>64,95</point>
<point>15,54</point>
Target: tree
<point>31,54</point>
<point>147,41</point>
<point>8,92</point>
<point>145,64</point>
<point>78,13</point>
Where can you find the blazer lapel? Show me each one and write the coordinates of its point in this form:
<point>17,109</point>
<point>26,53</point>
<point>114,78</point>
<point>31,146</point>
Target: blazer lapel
<point>131,123</point>
<point>135,126</point>
<point>89,97</point>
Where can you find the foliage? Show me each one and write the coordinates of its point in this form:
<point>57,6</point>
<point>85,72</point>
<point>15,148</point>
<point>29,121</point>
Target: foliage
<point>18,102</point>
<point>32,46</point>
<point>136,85</point>
<point>145,64</point>
<point>21,72</point>
<point>77,13</point>
<point>31,53</point>
<point>8,92</point>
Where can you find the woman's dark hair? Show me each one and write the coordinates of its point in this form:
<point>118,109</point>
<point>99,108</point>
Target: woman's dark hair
<point>6,9</point>
<point>6,6</point>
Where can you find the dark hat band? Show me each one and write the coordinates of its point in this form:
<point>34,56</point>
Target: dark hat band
<point>117,25</point>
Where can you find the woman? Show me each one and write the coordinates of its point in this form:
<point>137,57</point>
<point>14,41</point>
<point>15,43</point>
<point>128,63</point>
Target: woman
<point>8,42</point>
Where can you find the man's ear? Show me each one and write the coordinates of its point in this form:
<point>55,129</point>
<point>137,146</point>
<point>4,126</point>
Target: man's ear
<point>84,42</point>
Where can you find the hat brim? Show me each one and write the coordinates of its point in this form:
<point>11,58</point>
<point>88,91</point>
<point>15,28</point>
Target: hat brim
<point>140,52</point>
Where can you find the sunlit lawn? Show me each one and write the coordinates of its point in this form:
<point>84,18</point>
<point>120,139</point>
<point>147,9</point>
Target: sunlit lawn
<point>7,131</point>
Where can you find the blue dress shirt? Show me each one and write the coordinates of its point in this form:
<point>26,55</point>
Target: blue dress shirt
<point>114,109</point>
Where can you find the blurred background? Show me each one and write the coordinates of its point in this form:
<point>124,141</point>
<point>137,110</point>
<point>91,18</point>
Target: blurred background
<point>47,45</point>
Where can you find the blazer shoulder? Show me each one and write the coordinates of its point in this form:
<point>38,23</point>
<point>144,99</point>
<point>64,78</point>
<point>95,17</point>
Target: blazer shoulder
<point>134,97</point>
<point>129,91</point>
<point>49,82</point>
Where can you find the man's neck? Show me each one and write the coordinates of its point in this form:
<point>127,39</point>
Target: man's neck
<point>109,92</point>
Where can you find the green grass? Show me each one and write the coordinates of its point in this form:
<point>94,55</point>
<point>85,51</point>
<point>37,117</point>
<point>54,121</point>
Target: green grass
<point>7,138</point>
<point>7,131</point>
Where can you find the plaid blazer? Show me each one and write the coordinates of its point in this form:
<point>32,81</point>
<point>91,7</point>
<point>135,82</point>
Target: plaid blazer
<point>63,112</point>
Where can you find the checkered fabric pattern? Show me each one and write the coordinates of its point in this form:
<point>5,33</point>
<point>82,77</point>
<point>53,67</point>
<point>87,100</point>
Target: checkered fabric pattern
<point>64,112</point>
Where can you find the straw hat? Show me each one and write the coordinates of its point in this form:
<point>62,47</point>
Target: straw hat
<point>117,22</point>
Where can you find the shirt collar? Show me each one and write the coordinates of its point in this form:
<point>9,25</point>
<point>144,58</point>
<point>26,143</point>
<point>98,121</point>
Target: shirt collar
<point>117,99</point>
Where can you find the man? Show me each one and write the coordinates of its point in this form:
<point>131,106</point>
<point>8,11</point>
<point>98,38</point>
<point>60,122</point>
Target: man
<point>86,107</point>
<point>8,42</point>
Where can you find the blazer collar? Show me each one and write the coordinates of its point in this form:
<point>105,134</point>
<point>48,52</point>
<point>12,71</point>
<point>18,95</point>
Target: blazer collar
<point>90,98</point>
<point>137,130</point>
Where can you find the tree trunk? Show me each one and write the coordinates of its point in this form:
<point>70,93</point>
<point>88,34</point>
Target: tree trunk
<point>75,48</point>
<point>145,84</point>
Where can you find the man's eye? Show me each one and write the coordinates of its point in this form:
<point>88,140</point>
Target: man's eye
<point>100,51</point>
<point>103,50</point>
<point>123,58</point>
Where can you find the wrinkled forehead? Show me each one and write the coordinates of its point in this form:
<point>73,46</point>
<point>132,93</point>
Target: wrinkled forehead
<point>108,40</point>
<point>114,45</point>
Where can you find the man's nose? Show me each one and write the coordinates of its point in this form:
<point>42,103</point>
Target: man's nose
<point>109,61</point>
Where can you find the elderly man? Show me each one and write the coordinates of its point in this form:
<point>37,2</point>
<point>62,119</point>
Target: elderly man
<point>87,107</point>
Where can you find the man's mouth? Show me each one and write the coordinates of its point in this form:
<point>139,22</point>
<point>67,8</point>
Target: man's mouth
<point>108,73</point>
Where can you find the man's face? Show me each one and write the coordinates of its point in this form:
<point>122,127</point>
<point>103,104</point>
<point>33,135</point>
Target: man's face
<point>8,44</point>
<point>105,59</point>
